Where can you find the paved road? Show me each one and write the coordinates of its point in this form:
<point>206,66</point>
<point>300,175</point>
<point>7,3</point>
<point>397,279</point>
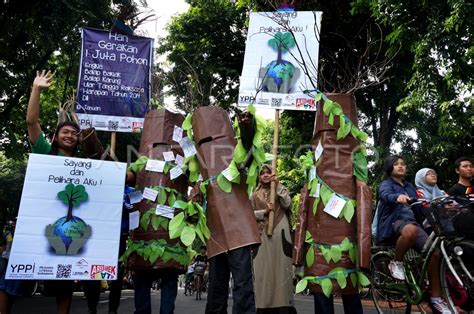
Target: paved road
<point>184,304</point>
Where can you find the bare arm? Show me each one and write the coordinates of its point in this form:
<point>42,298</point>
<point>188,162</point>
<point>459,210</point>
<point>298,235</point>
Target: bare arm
<point>42,81</point>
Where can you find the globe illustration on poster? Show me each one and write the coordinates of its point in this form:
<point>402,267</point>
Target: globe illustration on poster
<point>280,75</point>
<point>68,234</point>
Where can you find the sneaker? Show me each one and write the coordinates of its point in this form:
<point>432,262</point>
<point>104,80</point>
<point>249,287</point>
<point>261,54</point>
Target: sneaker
<point>396,270</point>
<point>441,307</point>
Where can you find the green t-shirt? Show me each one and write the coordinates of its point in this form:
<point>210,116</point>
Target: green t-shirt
<point>42,146</point>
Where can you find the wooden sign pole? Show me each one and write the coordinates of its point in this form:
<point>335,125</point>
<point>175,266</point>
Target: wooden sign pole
<point>273,186</point>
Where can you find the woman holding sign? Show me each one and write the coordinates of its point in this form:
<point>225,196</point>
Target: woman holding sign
<point>65,142</point>
<point>273,263</point>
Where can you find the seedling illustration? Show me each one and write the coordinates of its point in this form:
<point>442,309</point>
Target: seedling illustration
<point>68,234</point>
<point>280,75</point>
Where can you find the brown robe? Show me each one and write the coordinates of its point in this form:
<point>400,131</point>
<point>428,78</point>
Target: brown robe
<point>335,168</point>
<point>229,215</point>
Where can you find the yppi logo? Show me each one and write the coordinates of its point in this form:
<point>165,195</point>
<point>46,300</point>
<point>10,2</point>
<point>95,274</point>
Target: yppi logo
<point>23,268</point>
<point>246,99</point>
<point>86,122</point>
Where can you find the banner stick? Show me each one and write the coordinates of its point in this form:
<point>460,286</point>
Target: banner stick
<point>273,186</point>
<point>113,139</point>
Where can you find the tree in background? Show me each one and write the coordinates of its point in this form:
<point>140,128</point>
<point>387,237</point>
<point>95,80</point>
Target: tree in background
<point>205,48</point>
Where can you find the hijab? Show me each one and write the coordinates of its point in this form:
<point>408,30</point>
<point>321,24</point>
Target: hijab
<point>429,191</point>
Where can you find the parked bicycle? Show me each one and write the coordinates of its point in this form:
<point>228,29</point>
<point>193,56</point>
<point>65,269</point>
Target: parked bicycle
<point>394,296</point>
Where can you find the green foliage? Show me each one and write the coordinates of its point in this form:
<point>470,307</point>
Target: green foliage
<point>205,47</point>
<point>12,176</point>
<point>45,35</point>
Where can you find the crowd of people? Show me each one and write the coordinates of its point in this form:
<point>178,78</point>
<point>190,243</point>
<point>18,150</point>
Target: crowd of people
<point>273,273</point>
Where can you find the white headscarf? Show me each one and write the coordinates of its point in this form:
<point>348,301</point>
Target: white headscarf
<point>429,191</point>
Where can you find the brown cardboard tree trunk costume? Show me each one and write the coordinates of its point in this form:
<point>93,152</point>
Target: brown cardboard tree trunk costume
<point>335,168</point>
<point>157,137</point>
<point>230,216</point>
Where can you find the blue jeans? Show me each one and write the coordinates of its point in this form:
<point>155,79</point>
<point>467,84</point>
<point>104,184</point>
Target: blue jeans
<point>325,305</point>
<point>142,282</point>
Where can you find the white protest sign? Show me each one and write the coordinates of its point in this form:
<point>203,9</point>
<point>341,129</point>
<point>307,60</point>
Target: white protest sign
<point>188,147</point>
<point>135,197</point>
<point>69,220</point>
<point>150,194</point>
<point>179,159</point>
<point>278,43</point>
<point>168,156</point>
<point>334,206</point>
<point>134,219</point>
<point>177,134</point>
<point>165,211</point>
<point>175,172</point>
<point>155,165</point>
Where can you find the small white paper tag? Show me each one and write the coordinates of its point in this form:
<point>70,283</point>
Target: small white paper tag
<point>312,173</point>
<point>188,147</point>
<point>334,206</point>
<point>177,134</point>
<point>226,174</point>
<point>179,159</point>
<point>155,165</point>
<point>150,194</point>
<point>175,172</point>
<point>168,156</point>
<point>316,192</point>
<point>133,219</point>
<point>165,211</point>
<point>135,197</point>
<point>318,151</point>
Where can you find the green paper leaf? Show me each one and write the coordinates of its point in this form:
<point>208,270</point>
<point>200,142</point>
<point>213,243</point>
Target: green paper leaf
<point>352,254</point>
<point>325,193</point>
<point>308,237</point>
<point>327,107</point>
<point>203,187</point>
<point>154,256</point>
<point>166,168</point>
<point>326,254</point>
<point>223,183</point>
<point>194,176</point>
<point>345,244</point>
<point>176,222</point>
<point>171,199</point>
<point>155,222</point>
<point>360,169</point>
<point>326,286</point>
<point>180,204</point>
<point>301,286</point>
<point>188,235</point>
<point>187,123</point>
<point>318,96</point>
<point>331,118</point>
<point>239,152</point>
<point>336,253</point>
<point>251,108</point>
<point>348,211</point>
<point>310,257</point>
<point>315,205</point>
<point>354,279</point>
<point>362,279</point>
<point>341,279</point>
<point>162,197</point>
<point>191,210</point>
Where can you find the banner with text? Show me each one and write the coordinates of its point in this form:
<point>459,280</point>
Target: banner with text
<point>113,92</point>
<point>69,220</point>
<point>278,44</point>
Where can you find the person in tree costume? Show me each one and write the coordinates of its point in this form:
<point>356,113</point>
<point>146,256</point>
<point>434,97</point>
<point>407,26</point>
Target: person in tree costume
<point>229,212</point>
<point>151,252</point>
<point>335,246</point>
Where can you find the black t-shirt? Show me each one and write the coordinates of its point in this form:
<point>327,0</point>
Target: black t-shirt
<point>201,259</point>
<point>460,189</point>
